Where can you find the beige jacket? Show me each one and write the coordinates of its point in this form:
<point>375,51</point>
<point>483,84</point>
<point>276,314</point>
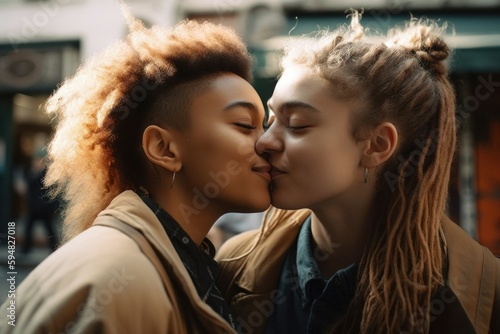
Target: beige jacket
<point>122,275</point>
<point>250,283</point>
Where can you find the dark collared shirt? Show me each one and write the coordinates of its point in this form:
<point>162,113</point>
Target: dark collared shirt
<point>198,261</point>
<point>311,304</point>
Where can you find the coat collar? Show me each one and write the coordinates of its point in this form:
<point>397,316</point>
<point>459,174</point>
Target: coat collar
<point>471,274</point>
<point>471,267</point>
<point>129,208</point>
<point>279,230</point>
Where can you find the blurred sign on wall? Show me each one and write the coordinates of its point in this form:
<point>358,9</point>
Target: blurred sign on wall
<point>36,67</point>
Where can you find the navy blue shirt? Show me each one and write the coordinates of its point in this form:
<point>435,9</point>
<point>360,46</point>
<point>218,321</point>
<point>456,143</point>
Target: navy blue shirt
<point>311,303</point>
<point>198,261</point>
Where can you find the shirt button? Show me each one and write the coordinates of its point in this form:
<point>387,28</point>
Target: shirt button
<point>185,240</point>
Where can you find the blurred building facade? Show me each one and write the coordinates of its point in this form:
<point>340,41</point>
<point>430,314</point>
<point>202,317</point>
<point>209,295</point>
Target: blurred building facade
<point>42,42</point>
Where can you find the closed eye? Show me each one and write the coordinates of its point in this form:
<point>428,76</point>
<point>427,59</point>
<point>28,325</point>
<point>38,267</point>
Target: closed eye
<point>296,129</point>
<point>245,126</point>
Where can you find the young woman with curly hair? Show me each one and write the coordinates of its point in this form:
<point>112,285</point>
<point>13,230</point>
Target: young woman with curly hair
<point>364,136</point>
<point>155,140</point>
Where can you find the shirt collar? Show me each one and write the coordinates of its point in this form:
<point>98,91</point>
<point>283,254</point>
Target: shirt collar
<point>175,231</point>
<point>311,280</point>
<point>198,260</point>
<point>307,270</point>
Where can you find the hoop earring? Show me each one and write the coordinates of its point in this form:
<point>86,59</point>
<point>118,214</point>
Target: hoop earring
<point>173,179</point>
<point>366,174</point>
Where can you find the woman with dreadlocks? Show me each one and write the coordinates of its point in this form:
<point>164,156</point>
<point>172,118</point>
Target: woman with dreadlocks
<point>363,137</point>
<point>155,141</point>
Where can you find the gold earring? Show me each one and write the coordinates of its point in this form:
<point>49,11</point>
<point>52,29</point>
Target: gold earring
<point>366,174</point>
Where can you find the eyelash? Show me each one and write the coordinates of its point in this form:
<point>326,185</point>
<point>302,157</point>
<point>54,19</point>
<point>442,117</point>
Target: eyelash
<point>245,126</point>
<point>288,127</point>
<point>296,128</point>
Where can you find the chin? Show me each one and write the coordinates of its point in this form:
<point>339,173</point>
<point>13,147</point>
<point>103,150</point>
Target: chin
<point>261,204</point>
<point>284,202</point>
<point>250,204</point>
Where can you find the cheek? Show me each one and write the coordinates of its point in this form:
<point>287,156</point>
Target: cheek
<point>306,153</point>
<point>339,167</point>
<point>245,148</point>
<point>323,160</point>
<point>210,141</point>
<point>217,150</point>
<point>204,154</point>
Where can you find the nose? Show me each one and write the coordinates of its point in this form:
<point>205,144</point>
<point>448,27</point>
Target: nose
<point>269,141</point>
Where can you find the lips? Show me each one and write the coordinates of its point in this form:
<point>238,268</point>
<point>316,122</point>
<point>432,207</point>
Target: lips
<point>276,172</point>
<point>263,171</point>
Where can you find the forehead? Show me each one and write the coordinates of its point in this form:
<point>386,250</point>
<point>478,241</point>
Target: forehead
<point>300,88</point>
<point>227,89</point>
<point>300,84</point>
<point>237,85</point>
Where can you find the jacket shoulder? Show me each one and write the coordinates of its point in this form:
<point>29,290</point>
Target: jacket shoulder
<point>264,250</point>
<point>88,284</point>
<point>237,245</point>
<point>228,257</point>
<point>474,276</point>
<point>277,231</point>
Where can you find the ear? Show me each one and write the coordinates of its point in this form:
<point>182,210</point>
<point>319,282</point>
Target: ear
<point>381,145</point>
<point>160,147</point>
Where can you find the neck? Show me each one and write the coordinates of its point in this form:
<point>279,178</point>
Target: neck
<point>194,215</point>
<point>341,229</point>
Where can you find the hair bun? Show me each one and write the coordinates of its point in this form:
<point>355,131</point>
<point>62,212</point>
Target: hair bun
<point>424,40</point>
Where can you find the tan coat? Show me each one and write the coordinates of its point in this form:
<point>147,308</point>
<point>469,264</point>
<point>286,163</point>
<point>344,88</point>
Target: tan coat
<point>122,279</point>
<point>250,283</point>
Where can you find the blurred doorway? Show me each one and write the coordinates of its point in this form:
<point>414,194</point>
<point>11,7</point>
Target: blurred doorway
<point>488,184</point>
<point>28,75</point>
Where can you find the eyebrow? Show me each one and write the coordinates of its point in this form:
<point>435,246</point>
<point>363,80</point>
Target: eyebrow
<point>243,104</point>
<point>294,104</point>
